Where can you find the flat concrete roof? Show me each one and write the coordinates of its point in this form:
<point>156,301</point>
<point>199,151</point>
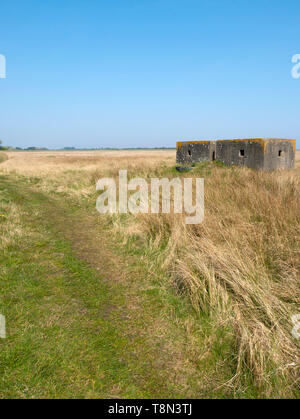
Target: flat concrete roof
<point>262,141</point>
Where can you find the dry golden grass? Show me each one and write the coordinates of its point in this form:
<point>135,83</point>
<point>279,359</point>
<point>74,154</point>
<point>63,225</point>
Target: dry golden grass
<point>46,162</point>
<point>297,164</point>
<point>12,229</point>
<point>240,267</point>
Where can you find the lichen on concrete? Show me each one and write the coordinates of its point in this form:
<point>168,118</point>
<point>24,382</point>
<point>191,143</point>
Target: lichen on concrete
<point>256,153</point>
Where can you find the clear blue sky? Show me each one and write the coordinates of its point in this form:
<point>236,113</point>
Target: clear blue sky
<point>143,73</point>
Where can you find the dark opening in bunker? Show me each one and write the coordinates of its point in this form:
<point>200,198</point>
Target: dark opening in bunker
<point>280,153</point>
<point>189,152</point>
<point>213,156</point>
<point>242,153</point>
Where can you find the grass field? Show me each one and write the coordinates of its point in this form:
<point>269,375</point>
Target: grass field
<point>3,157</point>
<point>145,306</point>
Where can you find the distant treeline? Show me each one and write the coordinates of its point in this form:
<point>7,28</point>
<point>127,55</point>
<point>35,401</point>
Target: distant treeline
<point>8,148</point>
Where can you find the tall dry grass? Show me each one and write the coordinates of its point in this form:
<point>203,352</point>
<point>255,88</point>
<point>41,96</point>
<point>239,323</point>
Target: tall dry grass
<point>240,267</point>
<point>45,163</point>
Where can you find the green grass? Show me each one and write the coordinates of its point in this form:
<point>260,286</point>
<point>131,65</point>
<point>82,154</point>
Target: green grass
<point>97,306</point>
<point>81,326</point>
<point>59,342</point>
<point>3,157</point>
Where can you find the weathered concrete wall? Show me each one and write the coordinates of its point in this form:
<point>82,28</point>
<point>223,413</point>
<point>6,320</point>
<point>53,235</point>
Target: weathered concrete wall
<point>193,151</point>
<point>279,155</point>
<point>241,153</point>
<point>256,153</point>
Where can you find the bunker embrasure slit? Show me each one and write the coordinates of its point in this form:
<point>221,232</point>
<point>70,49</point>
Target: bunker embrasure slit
<point>242,153</point>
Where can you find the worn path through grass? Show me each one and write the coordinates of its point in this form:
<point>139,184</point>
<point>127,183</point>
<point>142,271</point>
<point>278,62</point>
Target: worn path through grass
<point>84,319</point>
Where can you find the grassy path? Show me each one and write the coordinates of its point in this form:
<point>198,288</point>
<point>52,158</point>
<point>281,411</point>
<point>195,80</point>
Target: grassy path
<point>83,319</point>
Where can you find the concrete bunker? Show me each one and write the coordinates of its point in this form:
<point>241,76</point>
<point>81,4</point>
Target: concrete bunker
<point>256,153</point>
